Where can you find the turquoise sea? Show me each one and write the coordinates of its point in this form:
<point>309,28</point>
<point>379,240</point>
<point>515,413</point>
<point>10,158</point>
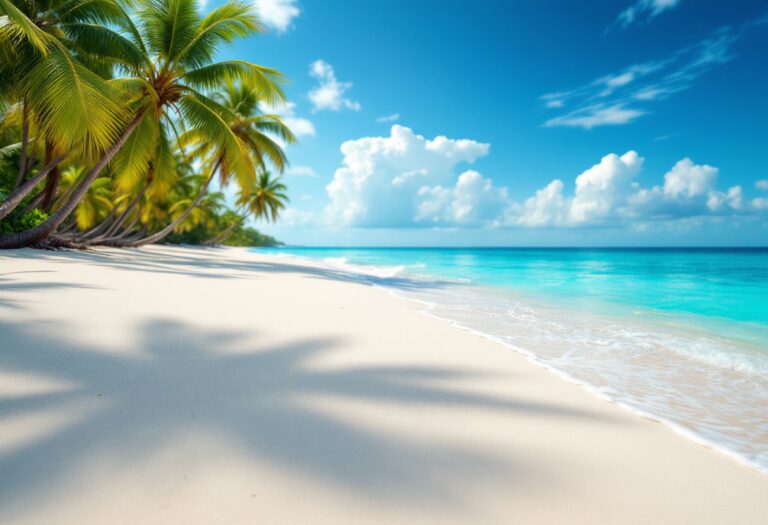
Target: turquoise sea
<point>679,335</point>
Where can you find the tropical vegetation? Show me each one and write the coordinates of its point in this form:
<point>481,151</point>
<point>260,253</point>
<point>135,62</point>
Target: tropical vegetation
<point>118,121</point>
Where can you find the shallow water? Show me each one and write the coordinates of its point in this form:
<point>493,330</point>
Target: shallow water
<point>678,335</point>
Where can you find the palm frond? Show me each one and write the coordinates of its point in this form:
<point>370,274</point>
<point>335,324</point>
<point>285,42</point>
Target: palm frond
<point>164,174</point>
<point>103,42</point>
<point>223,24</point>
<point>74,105</point>
<point>214,128</point>
<point>169,26</point>
<point>262,79</point>
<point>131,163</point>
<point>20,28</point>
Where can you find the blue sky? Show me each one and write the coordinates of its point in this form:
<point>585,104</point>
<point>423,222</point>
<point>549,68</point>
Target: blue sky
<point>621,122</point>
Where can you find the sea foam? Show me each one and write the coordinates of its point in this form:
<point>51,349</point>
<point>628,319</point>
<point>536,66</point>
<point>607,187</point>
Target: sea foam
<point>710,388</point>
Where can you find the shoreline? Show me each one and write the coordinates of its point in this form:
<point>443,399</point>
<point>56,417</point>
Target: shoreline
<point>378,280</point>
<point>378,407</point>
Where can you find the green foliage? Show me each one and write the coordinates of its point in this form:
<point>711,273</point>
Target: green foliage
<point>250,237</point>
<point>73,74</point>
<point>16,223</point>
<point>201,234</point>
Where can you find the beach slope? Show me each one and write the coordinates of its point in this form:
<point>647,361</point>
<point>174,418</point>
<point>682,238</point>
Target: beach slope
<point>197,386</point>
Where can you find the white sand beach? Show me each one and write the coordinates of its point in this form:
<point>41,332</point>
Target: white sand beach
<point>192,386</point>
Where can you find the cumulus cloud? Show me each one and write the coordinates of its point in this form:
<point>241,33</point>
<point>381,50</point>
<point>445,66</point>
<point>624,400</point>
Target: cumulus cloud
<point>277,14</point>
<point>394,117</point>
<point>329,94</point>
<point>609,193</point>
<point>472,201</point>
<point>644,10</point>
<point>407,180</point>
<point>385,181</point>
<point>547,207</point>
<point>301,127</point>
<point>600,192</point>
<point>762,184</point>
<point>627,94</point>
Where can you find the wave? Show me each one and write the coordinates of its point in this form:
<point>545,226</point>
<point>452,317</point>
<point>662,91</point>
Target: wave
<point>677,373</point>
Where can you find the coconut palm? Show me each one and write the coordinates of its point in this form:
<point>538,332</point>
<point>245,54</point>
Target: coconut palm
<point>267,199</point>
<point>251,129</point>
<point>170,69</point>
<point>62,105</point>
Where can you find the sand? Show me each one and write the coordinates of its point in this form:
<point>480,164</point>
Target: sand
<point>180,386</point>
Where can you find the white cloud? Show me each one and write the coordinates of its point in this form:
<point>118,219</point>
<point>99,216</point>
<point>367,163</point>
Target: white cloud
<point>394,117</point>
<point>301,171</point>
<point>762,184</point>
<point>406,180</point>
<point>301,127</point>
<point>623,96</point>
<point>472,201</point>
<point>601,189</point>
<point>644,9</point>
<point>277,14</point>
<point>596,116</point>
<point>546,208</point>
<point>329,94</point>
<point>600,193</point>
<point>381,180</point>
<point>688,180</point>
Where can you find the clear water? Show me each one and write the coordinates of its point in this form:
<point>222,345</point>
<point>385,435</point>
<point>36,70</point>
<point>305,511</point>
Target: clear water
<point>680,335</point>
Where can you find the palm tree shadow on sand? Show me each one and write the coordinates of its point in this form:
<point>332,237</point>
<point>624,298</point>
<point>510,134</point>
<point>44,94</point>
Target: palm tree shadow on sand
<point>190,380</point>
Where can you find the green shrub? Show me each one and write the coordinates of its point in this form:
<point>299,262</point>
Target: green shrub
<point>15,223</point>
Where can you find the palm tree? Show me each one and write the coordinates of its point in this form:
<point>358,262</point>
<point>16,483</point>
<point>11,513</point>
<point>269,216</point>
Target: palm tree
<point>252,130</point>
<point>268,197</point>
<point>62,105</point>
<point>169,59</point>
<point>266,200</point>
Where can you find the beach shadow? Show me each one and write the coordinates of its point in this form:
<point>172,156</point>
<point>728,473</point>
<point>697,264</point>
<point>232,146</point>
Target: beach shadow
<point>185,380</point>
<point>214,263</point>
<point>10,288</point>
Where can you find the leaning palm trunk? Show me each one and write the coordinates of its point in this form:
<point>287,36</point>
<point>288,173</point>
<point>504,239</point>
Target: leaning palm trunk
<point>110,231</point>
<point>43,230</point>
<point>34,203</point>
<point>162,234</point>
<point>100,228</point>
<point>115,239</point>
<point>223,236</point>
<point>15,198</point>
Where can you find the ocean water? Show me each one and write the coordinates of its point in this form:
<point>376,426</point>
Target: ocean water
<point>677,335</point>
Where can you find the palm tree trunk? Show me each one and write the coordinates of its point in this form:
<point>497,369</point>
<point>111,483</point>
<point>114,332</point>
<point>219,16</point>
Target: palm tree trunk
<point>52,183</point>
<point>112,239</point>
<point>24,141</point>
<point>132,206</point>
<point>43,230</point>
<point>162,234</point>
<point>34,203</point>
<point>102,226</point>
<point>31,160</point>
<point>223,236</point>
<point>15,198</point>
